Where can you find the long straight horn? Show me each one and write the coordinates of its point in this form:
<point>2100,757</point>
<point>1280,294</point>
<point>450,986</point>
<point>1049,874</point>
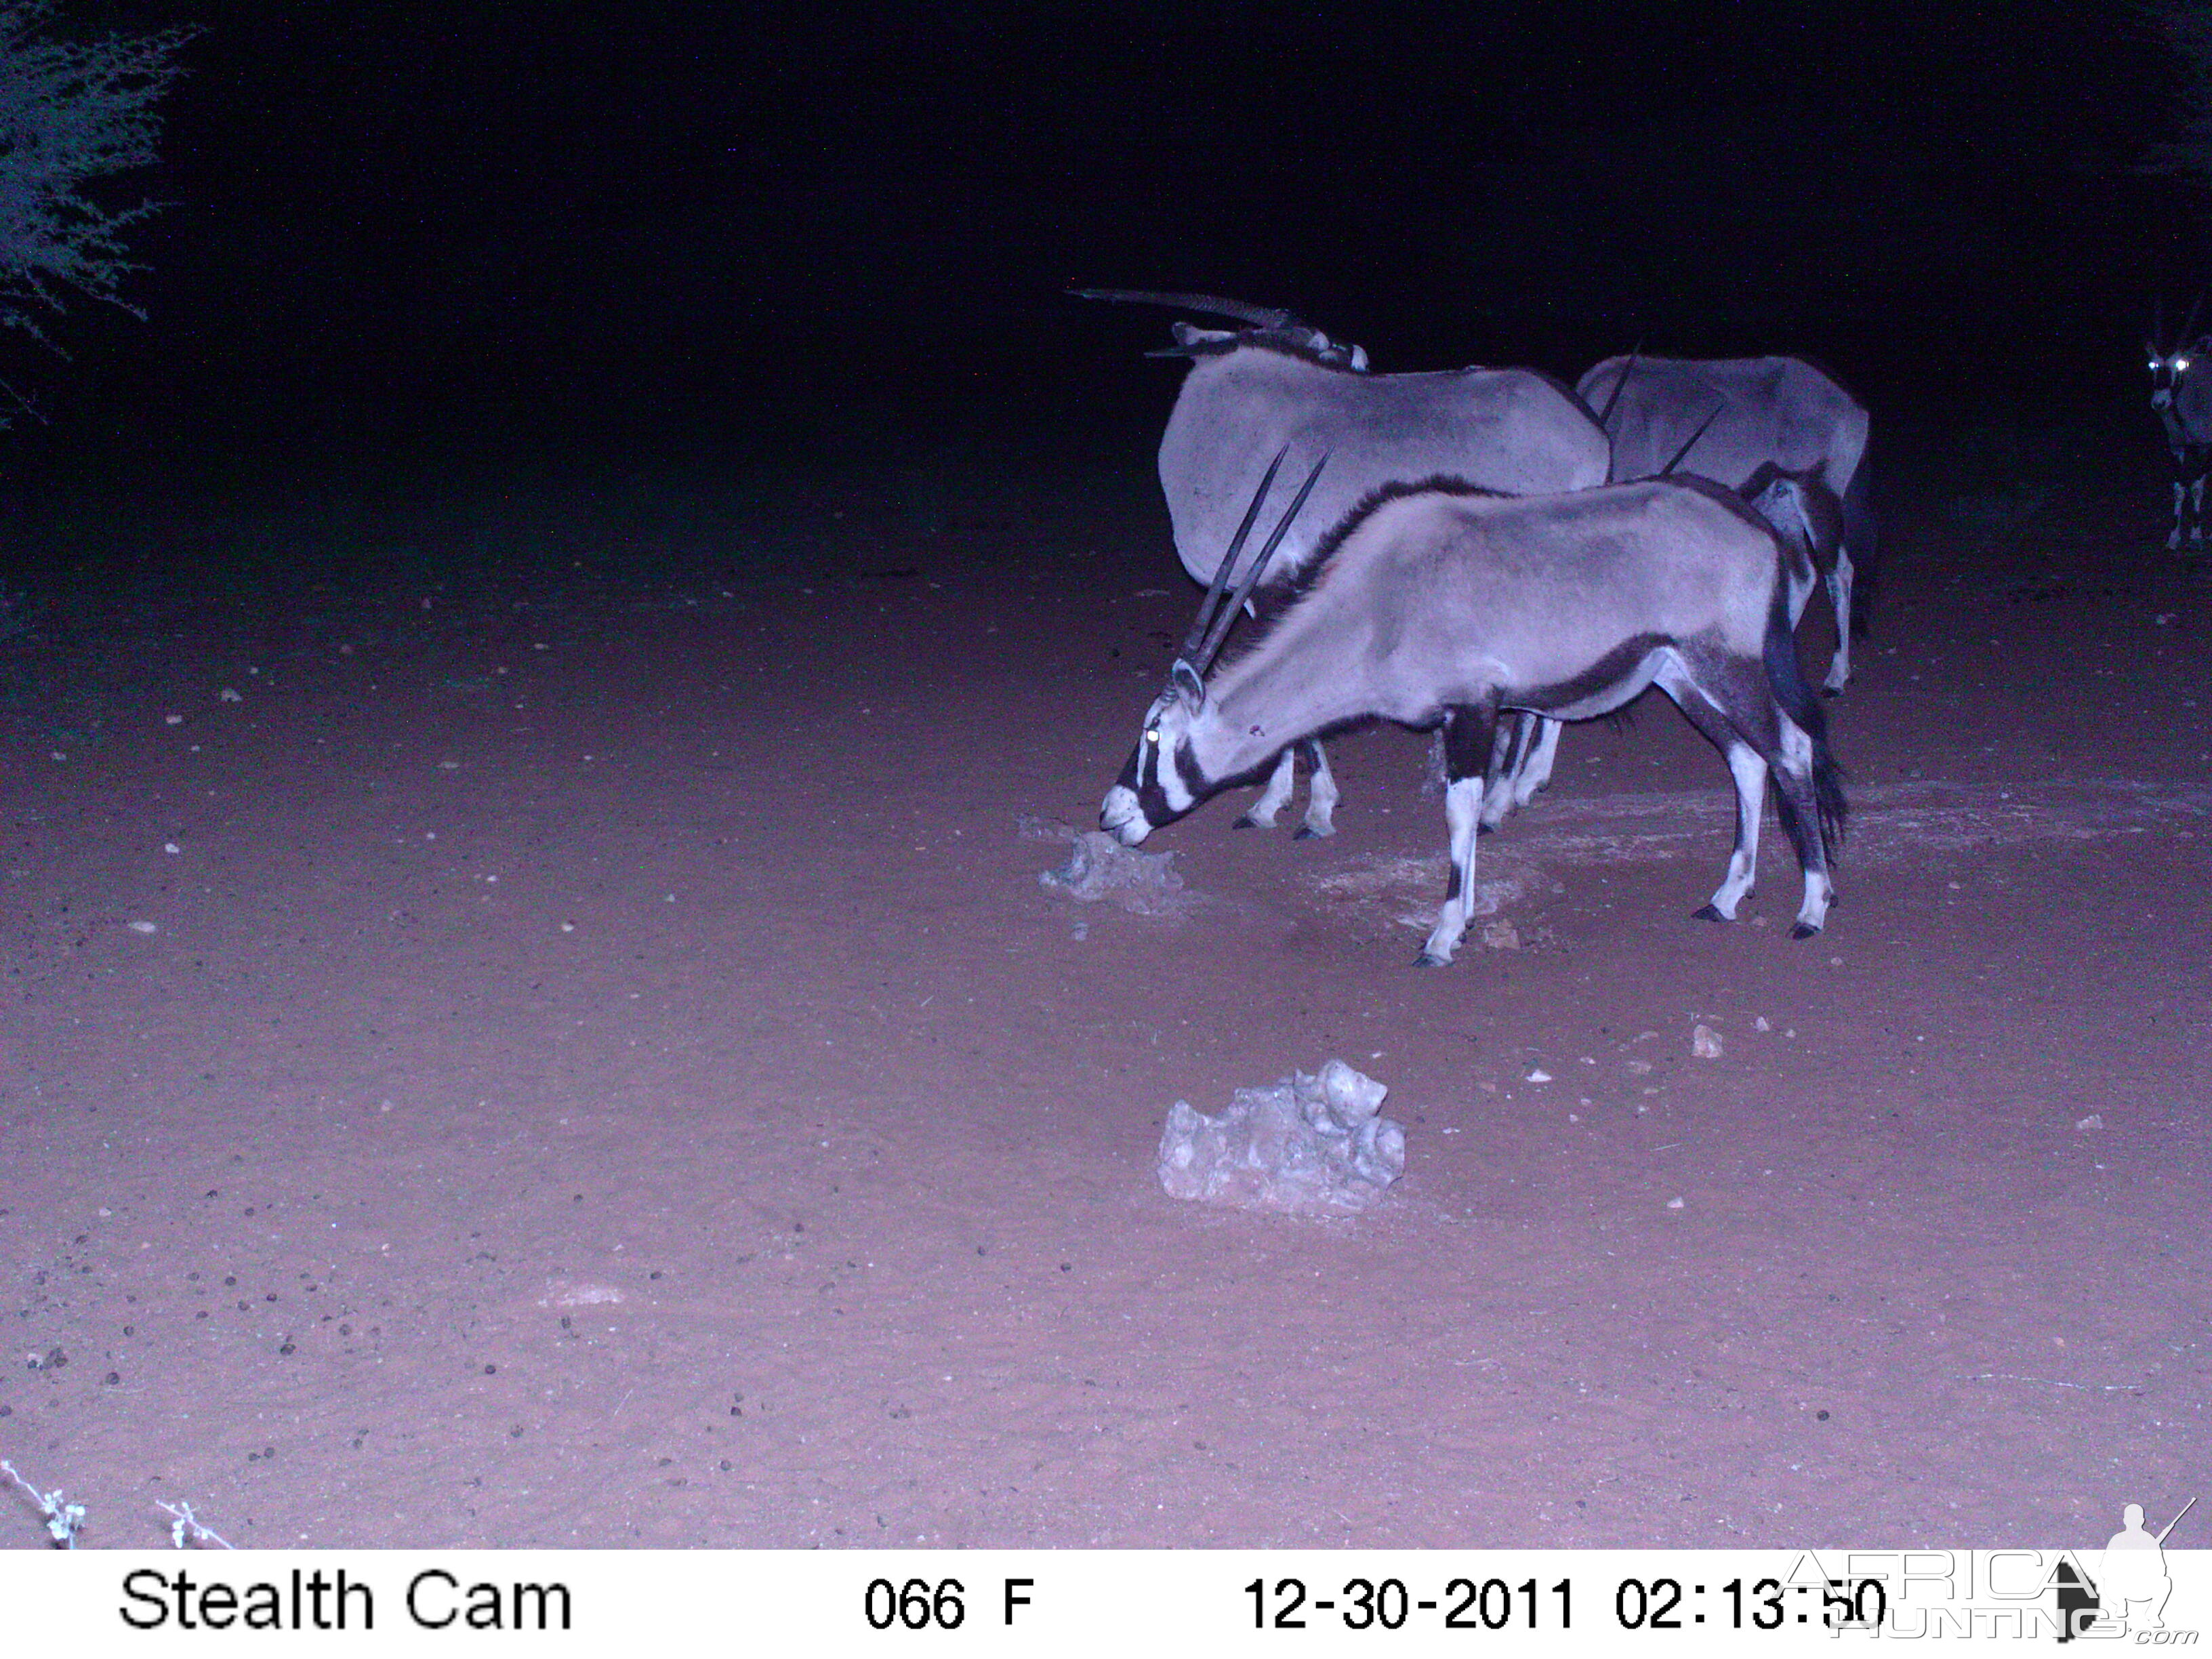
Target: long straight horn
<point>2189,329</point>
<point>1204,660</point>
<point>1692,443</point>
<point>1605,419</point>
<point>1211,305</point>
<point>1198,630</point>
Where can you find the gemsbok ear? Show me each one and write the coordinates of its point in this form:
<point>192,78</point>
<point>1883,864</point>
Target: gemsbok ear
<point>1187,685</point>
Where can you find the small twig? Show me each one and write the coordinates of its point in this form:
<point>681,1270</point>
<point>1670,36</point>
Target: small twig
<point>188,1524</point>
<point>63,1521</point>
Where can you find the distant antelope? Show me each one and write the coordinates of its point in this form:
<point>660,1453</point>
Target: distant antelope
<point>2183,397</point>
<point>1440,602</point>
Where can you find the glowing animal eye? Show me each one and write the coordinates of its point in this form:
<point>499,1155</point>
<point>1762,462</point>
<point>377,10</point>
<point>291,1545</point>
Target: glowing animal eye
<point>2180,362</point>
<point>1152,734</point>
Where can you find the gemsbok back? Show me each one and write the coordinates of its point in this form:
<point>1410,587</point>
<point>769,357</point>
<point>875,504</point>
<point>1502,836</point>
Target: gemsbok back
<point>1438,602</point>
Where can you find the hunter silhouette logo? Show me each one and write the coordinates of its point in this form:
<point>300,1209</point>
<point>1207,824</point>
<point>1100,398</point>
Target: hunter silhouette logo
<point>2131,1584</point>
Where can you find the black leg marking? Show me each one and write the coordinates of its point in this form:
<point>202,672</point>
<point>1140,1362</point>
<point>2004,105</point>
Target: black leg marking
<point>1469,752</point>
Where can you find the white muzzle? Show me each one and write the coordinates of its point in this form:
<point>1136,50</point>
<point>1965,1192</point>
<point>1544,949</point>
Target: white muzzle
<point>1121,817</point>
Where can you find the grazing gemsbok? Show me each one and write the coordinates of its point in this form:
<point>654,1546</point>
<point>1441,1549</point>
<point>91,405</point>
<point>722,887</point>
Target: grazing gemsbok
<point>1438,601</point>
<point>1276,381</point>
<point>2183,397</point>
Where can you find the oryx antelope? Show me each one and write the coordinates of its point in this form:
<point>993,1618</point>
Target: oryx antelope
<point>2181,392</point>
<point>1763,411</point>
<point>1438,601</point>
<point>1276,382</point>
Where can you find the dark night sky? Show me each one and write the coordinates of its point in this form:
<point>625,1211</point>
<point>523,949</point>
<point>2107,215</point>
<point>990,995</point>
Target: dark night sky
<point>630,231</point>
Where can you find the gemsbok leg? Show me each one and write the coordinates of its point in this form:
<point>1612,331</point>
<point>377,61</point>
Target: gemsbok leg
<point>1521,763</point>
<point>1322,792</point>
<point>1261,814</point>
<point>1732,706</point>
<point>1468,734</point>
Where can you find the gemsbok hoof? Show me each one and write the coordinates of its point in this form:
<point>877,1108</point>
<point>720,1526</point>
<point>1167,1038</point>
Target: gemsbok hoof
<point>1307,832</point>
<point>1707,913</point>
<point>1246,821</point>
<point>1428,959</point>
<point>1804,930</point>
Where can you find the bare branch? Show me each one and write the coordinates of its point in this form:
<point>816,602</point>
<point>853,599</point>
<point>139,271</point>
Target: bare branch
<point>71,114</point>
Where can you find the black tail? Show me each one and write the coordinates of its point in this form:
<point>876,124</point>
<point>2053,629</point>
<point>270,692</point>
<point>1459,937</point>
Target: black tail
<point>1798,702</point>
<point>1859,540</point>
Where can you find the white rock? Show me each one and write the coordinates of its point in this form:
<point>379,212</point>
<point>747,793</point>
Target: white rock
<point>1705,1043</point>
<point>145,927</point>
<point>2095,1121</point>
<point>1538,1074</point>
<point>1308,1145</point>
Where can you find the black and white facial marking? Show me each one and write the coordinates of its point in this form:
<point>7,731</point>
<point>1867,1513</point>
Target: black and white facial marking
<point>2167,368</point>
<point>1160,782</point>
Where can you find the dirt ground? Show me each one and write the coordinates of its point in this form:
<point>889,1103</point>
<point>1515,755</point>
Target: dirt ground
<point>560,1040</point>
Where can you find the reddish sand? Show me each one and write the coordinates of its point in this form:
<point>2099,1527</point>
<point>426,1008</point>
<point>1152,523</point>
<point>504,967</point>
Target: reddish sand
<point>602,1069</point>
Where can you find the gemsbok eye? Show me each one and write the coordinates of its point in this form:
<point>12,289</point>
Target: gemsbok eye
<point>1152,734</point>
